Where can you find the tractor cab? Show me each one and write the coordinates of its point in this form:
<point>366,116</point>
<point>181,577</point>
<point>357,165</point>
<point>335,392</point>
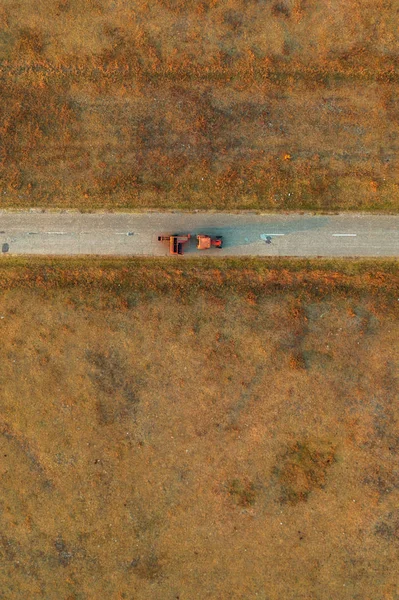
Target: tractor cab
<point>204,242</point>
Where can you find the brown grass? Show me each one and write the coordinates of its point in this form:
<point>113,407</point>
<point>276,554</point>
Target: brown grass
<point>222,104</point>
<point>157,443</point>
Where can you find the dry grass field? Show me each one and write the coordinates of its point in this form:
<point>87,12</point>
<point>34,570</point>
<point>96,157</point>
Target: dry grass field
<point>228,104</point>
<point>220,431</point>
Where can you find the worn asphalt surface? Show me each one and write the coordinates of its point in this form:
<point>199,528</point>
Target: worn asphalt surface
<point>245,234</point>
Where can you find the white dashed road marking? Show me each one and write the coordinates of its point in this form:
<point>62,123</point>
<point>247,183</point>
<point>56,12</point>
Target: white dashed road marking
<point>266,235</point>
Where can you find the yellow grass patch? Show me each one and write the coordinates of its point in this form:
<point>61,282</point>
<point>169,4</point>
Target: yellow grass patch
<point>199,104</point>
<point>157,442</point>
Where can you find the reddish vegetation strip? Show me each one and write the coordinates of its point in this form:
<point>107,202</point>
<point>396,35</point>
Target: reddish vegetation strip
<point>218,276</point>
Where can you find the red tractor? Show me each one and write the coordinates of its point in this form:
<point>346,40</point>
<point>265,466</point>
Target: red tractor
<point>204,242</point>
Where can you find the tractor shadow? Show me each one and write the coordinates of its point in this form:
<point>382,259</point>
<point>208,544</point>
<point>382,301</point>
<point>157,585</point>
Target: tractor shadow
<point>246,234</point>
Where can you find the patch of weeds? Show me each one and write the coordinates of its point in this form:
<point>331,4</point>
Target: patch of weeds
<point>9,549</point>
<point>63,5</point>
<point>234,19</point>
<point>64,557</point>
<point>31,42</point>
<point>383,481</point>
<point>293,342</point>
<point>297,361</point>
<point>146,524</point>
<point>117,397</point>
<point>315,311</point>
<point>132,300</point>
<point>385,426</point>
<point>302,469</point>
<point>147,567</point>
<point>365,320</point>
<point>281,9</point>
<point>314,359</point>
<point>242,491</point>
<point>388,528</point>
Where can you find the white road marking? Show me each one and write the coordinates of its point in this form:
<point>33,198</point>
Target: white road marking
<point>265,235</point>
<point>344,234</point>
<point>123,232</point>
<point>57,232</point>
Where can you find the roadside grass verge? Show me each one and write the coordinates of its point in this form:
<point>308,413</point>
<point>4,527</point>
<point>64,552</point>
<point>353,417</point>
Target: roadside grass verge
<point>149,276</point>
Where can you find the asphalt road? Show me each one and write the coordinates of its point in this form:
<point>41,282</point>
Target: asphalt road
<point>124,234</point>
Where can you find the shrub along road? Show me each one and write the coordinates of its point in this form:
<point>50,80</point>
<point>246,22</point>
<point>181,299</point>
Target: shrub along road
<point>130,234</point>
